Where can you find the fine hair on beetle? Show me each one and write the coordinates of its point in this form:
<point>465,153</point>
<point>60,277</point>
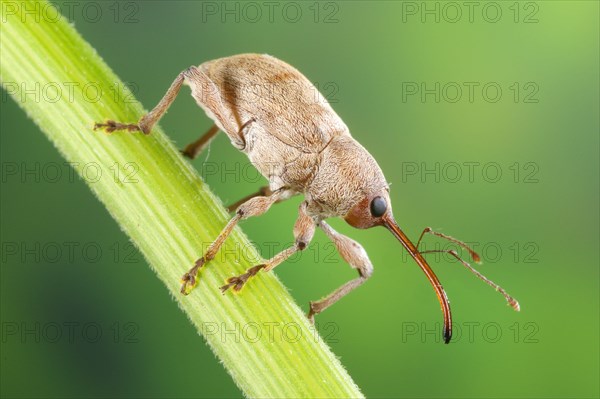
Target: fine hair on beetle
<point>290,133</point>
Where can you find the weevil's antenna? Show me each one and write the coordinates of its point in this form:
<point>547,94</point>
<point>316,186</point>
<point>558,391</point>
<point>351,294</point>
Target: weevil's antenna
<point>393,227</point>
<point>428,230</point>
<point>511,301</point>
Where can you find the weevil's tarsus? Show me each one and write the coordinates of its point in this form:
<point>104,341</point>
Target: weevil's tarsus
<point>393,227</point>
<point>512,302</point>
<point>253,207</point>
<point>189,279</point>
<point>237,282</point>
<point>194,149</point>
<point>147,122</point>
<point>304,230</point>
<point>202,89</point>
<point>112,126</point>
<point>428,230</point>
<point>356,256</point>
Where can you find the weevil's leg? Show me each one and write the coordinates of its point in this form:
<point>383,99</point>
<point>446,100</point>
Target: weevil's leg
<point>264,190</point>
<point>253,207</point>
<point>194,149</point>
<point>147,121</point>
<point>304,230</point>
<point>476,258</point>
<point>353,253</point>
<point>511,301</point>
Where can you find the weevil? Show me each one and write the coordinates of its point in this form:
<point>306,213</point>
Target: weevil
<point>290,133</point>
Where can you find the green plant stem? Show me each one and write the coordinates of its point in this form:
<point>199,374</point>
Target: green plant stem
<point>169,213</point>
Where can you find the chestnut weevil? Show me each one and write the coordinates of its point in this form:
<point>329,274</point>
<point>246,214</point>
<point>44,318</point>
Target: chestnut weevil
<point>290,133</point>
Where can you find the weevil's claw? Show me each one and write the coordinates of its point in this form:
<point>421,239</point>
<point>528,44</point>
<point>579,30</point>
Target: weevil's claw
<point>311,316</point>
<point>111,126</point>
<point>237,282</point>
<point>185,154</point>
<point>314,309</point>
<point>189,279</point>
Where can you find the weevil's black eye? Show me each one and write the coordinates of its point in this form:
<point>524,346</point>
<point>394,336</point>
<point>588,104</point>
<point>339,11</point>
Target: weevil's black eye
<point>378,207</point>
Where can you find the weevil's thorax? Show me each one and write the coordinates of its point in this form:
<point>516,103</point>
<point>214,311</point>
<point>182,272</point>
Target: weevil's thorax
<point>346,175</point>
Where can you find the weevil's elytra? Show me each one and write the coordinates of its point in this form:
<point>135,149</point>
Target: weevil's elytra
<point>290,133</point>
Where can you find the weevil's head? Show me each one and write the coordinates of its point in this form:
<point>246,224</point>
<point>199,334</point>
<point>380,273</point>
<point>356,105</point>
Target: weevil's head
<point>350,184</point>
<point>367,204</point>
<point>371,210</point>
<point>375,209</point>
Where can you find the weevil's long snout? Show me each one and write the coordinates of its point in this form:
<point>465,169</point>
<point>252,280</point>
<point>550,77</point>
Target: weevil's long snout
<point>390,223</point>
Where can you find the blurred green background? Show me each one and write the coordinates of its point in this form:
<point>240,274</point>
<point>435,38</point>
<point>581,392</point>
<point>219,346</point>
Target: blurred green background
<point>484,118</point>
